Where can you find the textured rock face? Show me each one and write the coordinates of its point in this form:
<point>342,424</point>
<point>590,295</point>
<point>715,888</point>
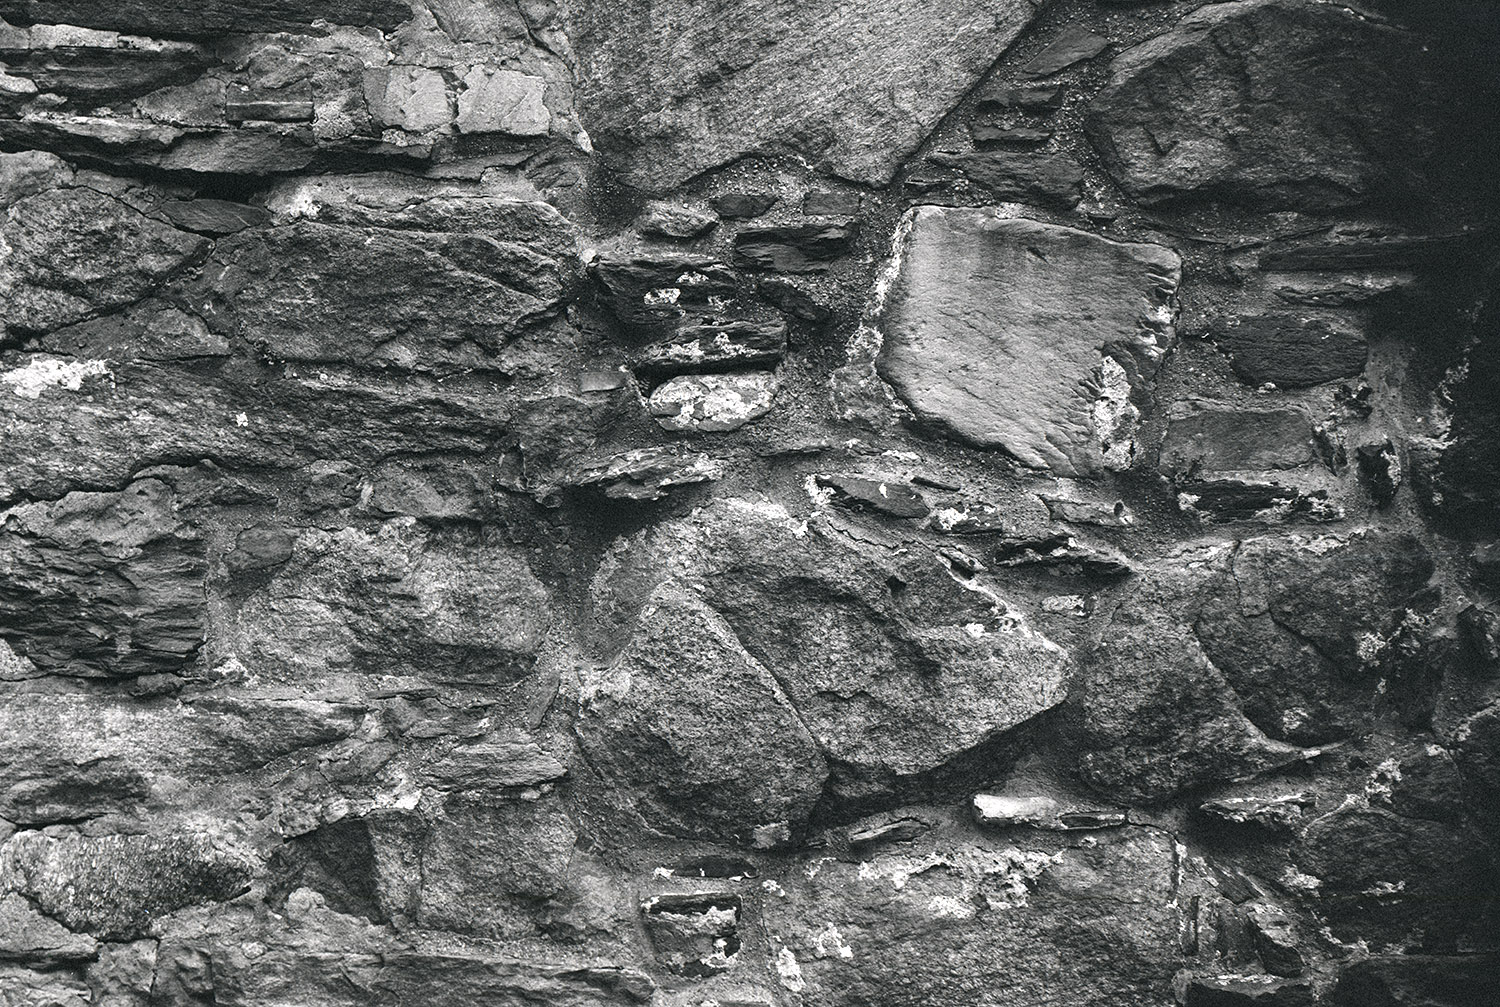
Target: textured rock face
<point>1033,339</point>
<point>763,504</point>
<point>673,90</point>
<point>1233,104</point>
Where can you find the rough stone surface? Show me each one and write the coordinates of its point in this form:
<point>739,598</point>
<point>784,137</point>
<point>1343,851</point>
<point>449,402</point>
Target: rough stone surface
<point>764,504</point>
<point>1231,104</point>
<point>1042,350</point>
<point>778,78</point>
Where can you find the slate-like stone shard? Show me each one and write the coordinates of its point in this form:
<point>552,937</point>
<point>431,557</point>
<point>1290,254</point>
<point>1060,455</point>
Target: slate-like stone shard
<point>193,19</point>
<point>701,348</point>
<point>792,248</point>
<point>103,583</point>
<point>670,90</point>
<point>1047,179</point>
<point>1278,104</point>
<point>1292,350</point>
<point>1030,338</point>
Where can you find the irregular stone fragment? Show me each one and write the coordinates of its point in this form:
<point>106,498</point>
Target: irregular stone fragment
<point>1386,878</point>
<point>1292,350</point>
<point>244,103</point>
<point>713,403</point>
<point>1156,715</point>
<point>259,548</point>
<point>647,473</point>
<point>408,97</point>
<point>1240,102</point>
<point>982,921</point>
<point>669,220</point>
<point>148,330</point>
<point>695,729</point>
<point>182,18</point>
<point>510,759</point>
<point>503,101</point>
<point>1419,981</point>
<point>28,936</point>
<point>886,496</point>
<point>893,665</point>
<point>392,602</point>
<point>1047,179</point>
<point>987,134</point>
<point>76,253</point>
<point>671,91</point>
<point>1208,437</point>
<point>1089,512</point>
<point>1073,44</point>
<point>1281,812</point>
<point>1038,812</point>
<point>103,583</point>
<point>480,854</point>
<point>1380,470</point>
<point>441,281</point>
<point>214,216</point>
<point>652,294</point>
<point>713,347</point>
<point>1248,991</point>
<point>1029,338</point>
<point>72,423</point>
<point>28,172</point>
<point>897,830</point>
<point>1276,941</point>
<point>114,886</point>
<point>694,933</point>
<point>826,203</point>
<point>743,205</point>
<point>94,75</point>
<point>1063,554</point>
<point>1030,98</point>
<point>72,756</point>
<point>792,248</point>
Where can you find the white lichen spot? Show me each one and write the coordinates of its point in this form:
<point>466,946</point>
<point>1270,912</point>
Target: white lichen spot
<point>1297,881</point>
<point>42,373</point>
<point>662,295</point>
<point>1114,417</point>
<point>241,420</point>
<point>1385,889</point>
<point>829,943</point>
<point>662,872</point>
<point>789,971</point>
<point>772,888</point>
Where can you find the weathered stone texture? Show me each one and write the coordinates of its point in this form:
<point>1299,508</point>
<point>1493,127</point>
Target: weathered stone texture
<point>787,503</point>
<point>1036,340</point>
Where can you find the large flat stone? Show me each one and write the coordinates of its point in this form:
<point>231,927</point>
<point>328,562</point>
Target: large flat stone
<point>1029,338</point>
<point>670,90</point>
<point>1280,104</point>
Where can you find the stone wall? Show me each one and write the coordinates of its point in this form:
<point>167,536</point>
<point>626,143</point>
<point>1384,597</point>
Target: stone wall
<point>815,503</point>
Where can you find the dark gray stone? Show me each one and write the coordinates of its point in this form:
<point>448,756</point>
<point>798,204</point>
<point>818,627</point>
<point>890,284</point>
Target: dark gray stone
<point>1280,104</point>
<point>1047,179</point>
